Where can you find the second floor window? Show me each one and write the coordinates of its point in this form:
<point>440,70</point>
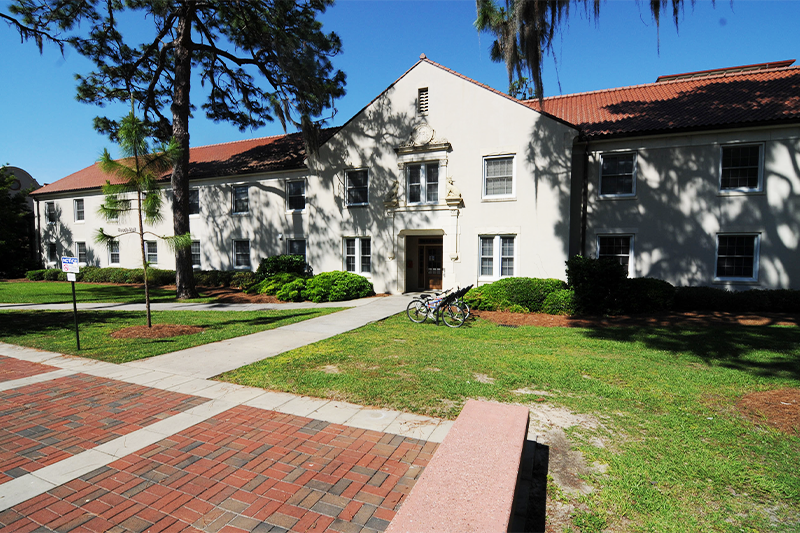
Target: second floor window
<point>357,187</point>
<point>78,210</point>
<point>741,168</point>
<point>498,177</point>
<point>194,201</point>
<point>50,212</point>
<point>423,183</point>
<point>618,175</point>
<point>241,199</point>
<point>296,195</point>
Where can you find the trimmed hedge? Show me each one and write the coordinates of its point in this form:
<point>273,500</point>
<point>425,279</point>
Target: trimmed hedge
<point>337,286</point>
<point>754,300</point>
<point>561,302</point>
<point>283,264</point>
<point>598,284</point>
<point>647,295</point>
<point>502,295</point>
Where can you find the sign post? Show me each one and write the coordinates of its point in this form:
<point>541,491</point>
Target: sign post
<point>70,266</point>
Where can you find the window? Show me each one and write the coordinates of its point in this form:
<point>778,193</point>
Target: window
<point>241,253</point>
<point>357,187</point>
<point>151,251</point>
<point>50,212</point>
<point>423,183</point>
<point>296,195</point>
<point>497,250</point>
<point>296,247</point>
<point>498,177</point>
<point>52,252</point>
<point>241,200</point>
<point>196,254</point>
<point>78,210</point>
<point>113,252</point>
<point>80,252</point>
<point>422,101</point>
<point>740,169</point>
<point>619,247</point>
<point>194,201</point>
<point>358,255</point>
<point>737,257</point>
<point>618,175</point>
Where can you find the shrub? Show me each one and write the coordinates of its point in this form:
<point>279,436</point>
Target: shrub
<point>136,275</point>
<point>337,286</point>
<point>292,291</point>
<point>283,264</point>
<point>702,299</point>
<point>35,275</point>
<point>598,284</point>
<point>213,278</point>
<point>156,276</point>
<point>529,293</point>
<point>54,274</point>
<point>516,308</point>
<point>243,280</point>
<point>272,284</point>
<point>784,301</point>
<point>561,302</point>
<point>647,295</point>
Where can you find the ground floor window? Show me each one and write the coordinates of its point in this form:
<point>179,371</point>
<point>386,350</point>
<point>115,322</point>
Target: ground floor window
<point>151,251</point>
<point>358,255</point>
<point>497,256</point>
<point>617,247</point>
<point>113,252</point>
<point>296,247</point>
<point>241,252</point>
<point>80,252</point>
<point>737,257</point>
<point>196,254</point>
<point>52,252</point>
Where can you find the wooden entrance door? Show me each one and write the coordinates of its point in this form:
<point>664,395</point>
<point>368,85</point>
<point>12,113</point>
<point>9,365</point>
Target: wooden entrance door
<point>430,263</point>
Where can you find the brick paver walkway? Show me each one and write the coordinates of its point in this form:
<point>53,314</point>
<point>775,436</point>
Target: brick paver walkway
<point>44,423</point>
<point>11,369</point>
<point>244,469</point>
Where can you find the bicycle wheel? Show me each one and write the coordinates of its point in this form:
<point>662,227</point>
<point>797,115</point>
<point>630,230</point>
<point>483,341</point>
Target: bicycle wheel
<point>452,315</point>
<point>417,311</point>
<point>464,307</point>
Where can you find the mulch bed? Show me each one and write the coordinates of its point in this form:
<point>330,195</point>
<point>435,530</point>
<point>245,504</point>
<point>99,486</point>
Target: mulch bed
<point>660,320</point>
<point>158,331</point>
<point>779,409</point>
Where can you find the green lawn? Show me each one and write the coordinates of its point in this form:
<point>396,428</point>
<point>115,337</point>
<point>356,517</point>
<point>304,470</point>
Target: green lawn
<point>58,292</point>
<point>55,331</point>
<point>679,456</point>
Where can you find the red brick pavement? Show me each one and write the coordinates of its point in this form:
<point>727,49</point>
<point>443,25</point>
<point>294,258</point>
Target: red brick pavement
<point>46,422</point>
<point>11,369</point>
<point>246,469</point>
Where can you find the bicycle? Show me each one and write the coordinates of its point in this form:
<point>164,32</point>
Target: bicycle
<point>447,305</point>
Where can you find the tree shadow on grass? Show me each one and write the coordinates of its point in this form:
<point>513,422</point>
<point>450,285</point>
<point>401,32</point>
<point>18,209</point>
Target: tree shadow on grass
<point>760,350</point>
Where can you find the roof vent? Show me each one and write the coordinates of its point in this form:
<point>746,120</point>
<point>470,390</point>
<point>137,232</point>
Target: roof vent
<point>422,101</point>
<point>723,71</point>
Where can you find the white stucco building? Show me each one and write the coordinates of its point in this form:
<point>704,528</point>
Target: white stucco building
<point>443,181</point>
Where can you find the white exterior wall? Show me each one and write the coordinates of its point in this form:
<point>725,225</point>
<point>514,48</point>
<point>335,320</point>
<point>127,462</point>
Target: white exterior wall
<point>679,210</point>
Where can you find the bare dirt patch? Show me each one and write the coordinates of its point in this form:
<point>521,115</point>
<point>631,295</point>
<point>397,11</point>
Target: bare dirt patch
<point>779,409</point>
<point>697,318</point>
<point>158,331</point>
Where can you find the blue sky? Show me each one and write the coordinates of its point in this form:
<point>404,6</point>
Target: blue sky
<point>49,134</point>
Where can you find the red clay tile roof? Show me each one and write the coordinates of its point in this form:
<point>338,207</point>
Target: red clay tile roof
<point>730,99</point>
<point>266,154</point>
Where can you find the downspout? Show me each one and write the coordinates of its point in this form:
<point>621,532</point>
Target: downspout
<point>38,235</point>
<point>584,194</point>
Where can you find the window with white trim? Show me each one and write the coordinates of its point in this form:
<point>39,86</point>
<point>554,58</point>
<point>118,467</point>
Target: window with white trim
<point>423,183</point>
<point>241,254</point>
<point>194,201</point>
<point>617,247</point>
<point>296,195</point>
<point>241,199</point>
<point>296,247</point>
<point>50,212</point>
<point>79,214</point>
<point>741,168</point>
<point>497,256</point>
<point>358,255</point>
<point>52,252</point>
<point>113,252</point>
<point>151,251</point>
<point>196,254</point>
<point>498,177</point>
<point>357,186</point>
<point>737,257</point>
<point>80,252</point>
<point>618,175</point>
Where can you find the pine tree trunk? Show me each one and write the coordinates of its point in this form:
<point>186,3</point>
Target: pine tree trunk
<point>184,275</point>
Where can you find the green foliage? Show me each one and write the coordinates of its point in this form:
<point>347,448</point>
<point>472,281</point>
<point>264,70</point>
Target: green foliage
<point>284,264</point>
<point>272,284</point>
<point>754,300</point>
<point>35,275</point>
<point>337,286</point>
<point>292,291</point>
<point>561,302</point>
<point>93,274</point>
<point>647,295</point>
<point>243,280</point>
<point>529,293</point>
<point>598,284</point>
<point>213,278</point>
<point>16,229</point>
